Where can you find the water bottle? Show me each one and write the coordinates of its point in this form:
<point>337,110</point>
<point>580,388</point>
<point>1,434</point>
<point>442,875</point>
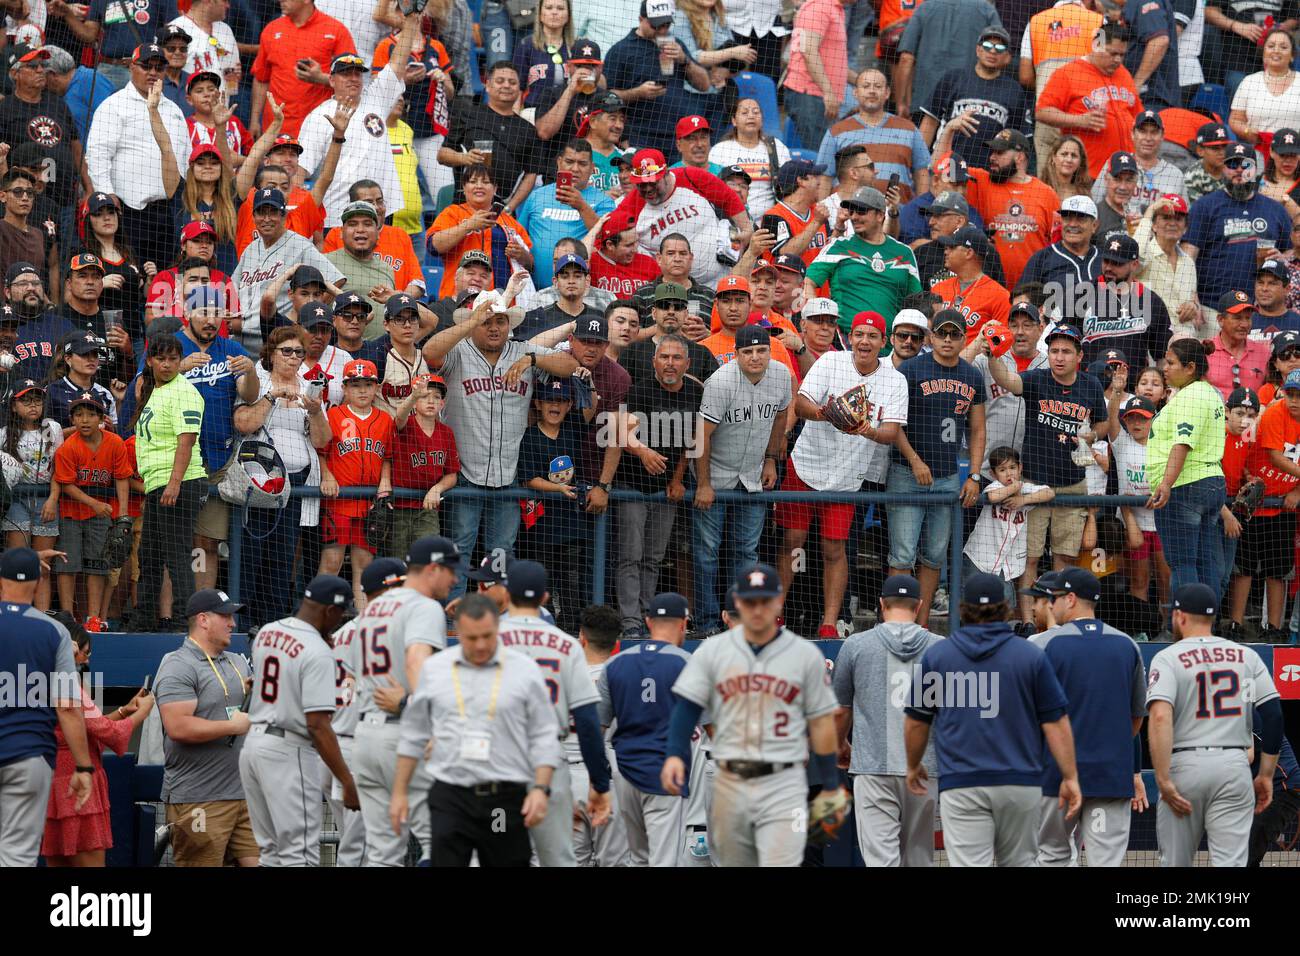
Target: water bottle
<point>698,845</point>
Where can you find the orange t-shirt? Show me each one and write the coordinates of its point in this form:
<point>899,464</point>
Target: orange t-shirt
<point>1280,432</point>
<point>1267,392</point>
<point>1021,215</point>
<point>394,249</point>
<point>894,11</point>
<point>281,46</point>
<point>357,449</point>
<point>984,299</point>
<point>774,320</point>
<point>1079,86</point>
<point>305,218</point>
<point>453,216</point>
<point>797,225</point>
<point>722,345</point>
<point>1236,451</point>
<point>135,502</point>
<point>76,464</point>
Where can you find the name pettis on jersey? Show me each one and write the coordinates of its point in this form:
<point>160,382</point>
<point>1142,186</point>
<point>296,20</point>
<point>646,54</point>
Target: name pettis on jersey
<point>548,639</point>
<point>1197,656</point>
<point>778,687</point>
<point>280,641</point>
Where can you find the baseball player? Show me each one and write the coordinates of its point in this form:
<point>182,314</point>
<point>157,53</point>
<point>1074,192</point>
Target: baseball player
<point>992,699</point>
<point>1040,593</point>
<point>768,692</point>
<point>635,693</point>
<point>574,695</point>
<point>292,704</point>
<point>395,635</point>
<point>1276,820</point>
<point>1199,699</point>
<point>1100,669</point>
<point>383,574</point>
<point>607,845</point>
<point>874,673</point>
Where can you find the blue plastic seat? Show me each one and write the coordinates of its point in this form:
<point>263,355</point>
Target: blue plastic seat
<point>790,135</point>
<point>1212,98</point>
<point>756,86</point>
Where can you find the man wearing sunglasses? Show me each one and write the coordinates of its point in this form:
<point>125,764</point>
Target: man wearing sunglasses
<point>942,38</point>
<point>20,241</point>
<point>669,312</point>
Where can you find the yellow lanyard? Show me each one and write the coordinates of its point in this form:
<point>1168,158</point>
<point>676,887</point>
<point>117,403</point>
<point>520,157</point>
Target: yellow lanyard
<point>224,688</point>
<point>492,700</point>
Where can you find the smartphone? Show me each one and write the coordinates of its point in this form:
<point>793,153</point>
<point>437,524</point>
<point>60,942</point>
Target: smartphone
<point>316,388</point>
<point>498,207</point>
<point>893,181</point>
<point>564,179</point>
<point>148,680</point>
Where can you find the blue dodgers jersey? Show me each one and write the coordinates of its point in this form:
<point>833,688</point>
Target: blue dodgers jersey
<point>217,384</point>
<point>32,652</point>
<point>636,692</point>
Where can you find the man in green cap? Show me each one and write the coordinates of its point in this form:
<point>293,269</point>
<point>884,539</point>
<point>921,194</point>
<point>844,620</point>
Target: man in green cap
<point>669,311</point>
<point>356,260</point>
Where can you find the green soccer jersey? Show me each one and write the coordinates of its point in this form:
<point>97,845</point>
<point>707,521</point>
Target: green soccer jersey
<point>867,277</point>
<point>1193,417</point>
<point>173,410</point>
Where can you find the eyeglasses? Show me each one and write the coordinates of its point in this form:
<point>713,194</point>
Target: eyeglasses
<point>26,284</point>
<point>22,192</point>
<point>292,353</point>
<point>992,46</point>
<point>948,332</point>
<point>1237,163</point>
<point>1289,355</point>
<point>153,67</point>
<point>1236,375</point>
<point>351,316</point>
<point>910,336</point>
<point>405,320</point>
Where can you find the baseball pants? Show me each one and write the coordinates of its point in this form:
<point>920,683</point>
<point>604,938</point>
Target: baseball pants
<point>553,837</point>
<point>895,826</point>
<point>1217,783</point>
<point>762,821</point>
<point>655,825</point>
<point>374,766</point>
<point>352,829</point>
<point>281,778</point>
<point>1101,827</point>
<point>24,797</point>
<point>597,846</point>
<point>698,804</point>
<point>983,824</point>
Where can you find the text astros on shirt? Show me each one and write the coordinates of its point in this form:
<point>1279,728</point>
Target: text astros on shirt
<point>1100,96</point>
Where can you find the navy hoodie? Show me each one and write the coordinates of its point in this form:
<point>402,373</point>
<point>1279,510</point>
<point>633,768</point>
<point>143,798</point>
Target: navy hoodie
<point>987,693</point>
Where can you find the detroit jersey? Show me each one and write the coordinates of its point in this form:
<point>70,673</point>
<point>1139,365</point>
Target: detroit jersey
<point>563,663</point>
<point>293,675</point>
<point>346,648</point>
<point>390,623</point>
<point>1212,684</point>
<point>760,703</point>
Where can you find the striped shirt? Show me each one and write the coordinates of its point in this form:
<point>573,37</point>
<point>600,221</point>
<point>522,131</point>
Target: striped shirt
<point>173,410</point>
<point>895,145</point>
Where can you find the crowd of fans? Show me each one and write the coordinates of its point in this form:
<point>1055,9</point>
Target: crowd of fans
<point>577,260</point>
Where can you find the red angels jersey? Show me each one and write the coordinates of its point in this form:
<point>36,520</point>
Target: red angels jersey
<point>687,210</point>
<point>619,280</point>
<point>357,449</point>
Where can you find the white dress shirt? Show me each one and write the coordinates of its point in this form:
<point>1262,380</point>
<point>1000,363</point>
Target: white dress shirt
<point>121,155</point>
<point>757,17</point>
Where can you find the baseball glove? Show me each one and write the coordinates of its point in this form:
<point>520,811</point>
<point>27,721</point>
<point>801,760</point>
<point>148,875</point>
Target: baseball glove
<point>379,524</point>
<point>849,411</point>
<point>1248,498</point>
<point>117,548</point>
<point>826,814</point>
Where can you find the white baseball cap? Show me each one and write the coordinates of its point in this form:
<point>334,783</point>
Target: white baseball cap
<point>912,317</point>
<point>1080,204</point>
<point>821,306</point>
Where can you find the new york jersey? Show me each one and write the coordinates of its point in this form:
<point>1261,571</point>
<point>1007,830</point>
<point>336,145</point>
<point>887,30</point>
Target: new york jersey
<point>293,675</point>
<point>563,663</point>
<point>389,624</point>
<point>1212,684</point>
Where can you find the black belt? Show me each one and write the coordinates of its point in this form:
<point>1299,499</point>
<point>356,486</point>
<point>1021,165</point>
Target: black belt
<point>1179,750</point>
<point>490,789</point>
<point>748,769</point>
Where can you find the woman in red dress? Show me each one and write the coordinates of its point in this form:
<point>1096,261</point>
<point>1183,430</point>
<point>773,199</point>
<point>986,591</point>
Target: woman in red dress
<point>79,837</point>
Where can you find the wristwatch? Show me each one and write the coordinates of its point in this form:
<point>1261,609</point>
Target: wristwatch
<point>801,349</point>
<point>84,769</point>
<point>538,786</point>
<point>605,486</point>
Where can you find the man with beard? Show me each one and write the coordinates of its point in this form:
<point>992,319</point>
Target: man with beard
<point>1125,315</point>
<point>908,335</point>
<point>669,312</point>
<point>40,328</point>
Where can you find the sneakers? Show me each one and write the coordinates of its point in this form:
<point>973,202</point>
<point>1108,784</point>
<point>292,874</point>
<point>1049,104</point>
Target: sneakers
<point>95,626</point>
<point>940,603</point>
<point>1233,631</point>
<point>843,629</point>
<point>1274,635</point>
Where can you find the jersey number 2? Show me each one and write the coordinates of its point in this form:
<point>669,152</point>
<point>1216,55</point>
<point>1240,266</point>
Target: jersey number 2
<point>1214,700</point>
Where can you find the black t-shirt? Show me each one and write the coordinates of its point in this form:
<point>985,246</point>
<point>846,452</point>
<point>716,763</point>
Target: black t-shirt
<point>638,359</point>
<point>1053,416</point>
<point>546,318</point>
<point>119,366</point>
<point>516,150</point>
<point>50,126</point>
<point>1136,323</point>
<point>998,103</point>
<point>541,456</point>
<point>667,425</point>
<point>546,97</point>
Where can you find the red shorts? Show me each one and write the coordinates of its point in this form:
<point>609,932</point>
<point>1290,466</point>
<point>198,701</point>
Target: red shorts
<point>339,531</point>
<point>835,519</point>
<point>1151,546</point>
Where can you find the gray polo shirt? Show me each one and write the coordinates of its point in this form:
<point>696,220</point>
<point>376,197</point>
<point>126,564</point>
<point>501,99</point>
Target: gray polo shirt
<point>200,773</point>
<point>743,412</point>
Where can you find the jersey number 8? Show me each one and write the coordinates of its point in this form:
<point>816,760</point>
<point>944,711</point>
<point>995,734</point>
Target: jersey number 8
<point>271,680</point>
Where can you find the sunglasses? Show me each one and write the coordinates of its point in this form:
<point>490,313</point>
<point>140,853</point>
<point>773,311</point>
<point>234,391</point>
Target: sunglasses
<point>351,316</point>
<point>1290,355</point>
<point>948,332</point>
<point>292,353</point>
<point>993,46</point>
<point>1237,163</point>
<point>22,192</point>
<point>910,336</point>
<point>670,305</point>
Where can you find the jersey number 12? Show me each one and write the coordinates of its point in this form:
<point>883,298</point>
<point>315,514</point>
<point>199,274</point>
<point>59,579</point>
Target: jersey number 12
<point>1210,703</point>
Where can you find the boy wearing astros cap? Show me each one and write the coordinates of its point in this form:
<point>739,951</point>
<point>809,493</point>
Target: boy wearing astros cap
<point>358,453</point>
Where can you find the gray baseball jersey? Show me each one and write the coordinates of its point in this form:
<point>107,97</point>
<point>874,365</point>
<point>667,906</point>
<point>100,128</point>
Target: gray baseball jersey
<point>760,703</point>
<point>293,675</point>
<point>560,657</point>
<point>260,265</point>
<point>389,623</point>
<point>346,651</point>
<point>743,413</point>
<point>488,417</point>
<point>1212,684</point>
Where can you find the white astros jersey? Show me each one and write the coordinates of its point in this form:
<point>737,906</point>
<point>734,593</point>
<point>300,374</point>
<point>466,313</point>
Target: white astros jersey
<point>572,750</point>
<point>346,665</point>
<point>1213,684</point>
<point>293,675</point>
<point>760,704</point>
<point>389,624</point>
<point>563,663</point>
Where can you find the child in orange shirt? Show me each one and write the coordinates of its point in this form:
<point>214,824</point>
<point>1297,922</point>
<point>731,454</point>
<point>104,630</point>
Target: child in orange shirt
<point>134,508</point>
<point>90,459</point>
<point>359,453</point>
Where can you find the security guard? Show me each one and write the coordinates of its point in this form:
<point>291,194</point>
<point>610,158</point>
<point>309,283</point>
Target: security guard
<point>495,745</point>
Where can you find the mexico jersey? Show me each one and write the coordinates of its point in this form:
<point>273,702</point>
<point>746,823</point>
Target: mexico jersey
<point>389,624</point>
<point>760,703</point>
<point>345,680</point>
<point>397,379</point>
<point>1213,684</point>
<point>293,675</point>
<point>357,450</point>
<point>563,663</point>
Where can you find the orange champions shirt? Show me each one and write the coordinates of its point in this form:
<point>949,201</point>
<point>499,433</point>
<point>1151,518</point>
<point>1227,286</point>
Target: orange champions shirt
<point>1020,215</point>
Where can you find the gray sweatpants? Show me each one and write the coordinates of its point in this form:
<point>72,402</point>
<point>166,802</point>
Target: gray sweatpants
<point>644,529</point>
<point>553,837</point>
<point>1102,827</point>
<point>983,824</point>
<point>597,846</point>
<point>655,825</point>
<point>762,821</point>
<point>1217,783</point>
<point>24,797</point>
<point>374,767</point>
<point>281,778</point>
<point>895,826</point>
<point>352,829</point>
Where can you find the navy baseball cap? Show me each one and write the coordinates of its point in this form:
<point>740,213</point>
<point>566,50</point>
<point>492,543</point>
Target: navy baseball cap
<point>1285,340</point>
<point>569,259</point>
<point>1196,599</point>
<point>20,269</point>
<point>1043,586</point>
<point>1276,268</point>
<point>1286,142</point>
<point>1066,331</point>
<point>968,237</point>
<point>751,335</point>
<point>211,601</point>
<point>981,588</point>
<point>591,328</point>
<point>269,196</point>
<point>729,600</point>
<point>788,176</point>
<point>1149,116</point>
<point>1119,247</point>
<point>556,390</point>
<point>901,585</point>
<point>434,549</point>
<point>1243,397</point>
<point>730,172</point>
<point>758,581</point>
<point>669,605</point>
<point>1079,581</point>
<point>947,317</point>
<point>790,263</point>
<point>488,572</point>
<point>20,564</point>
<point>1137,405</point>
<point>1026,309</point>
<point>527,580</point>
<point>1122,162</point>
<point>349,299</point>
<point>1212,134</point>
<point>585,51</point>
<point>330,590</point>
<point>383,573</point>
<point>25,385</point>
<point>87,344</point>
<point>305,276</point>
<point>1235,301</point>
<point>313,314</point>
<point>399,303</point>
<point>98,201</point>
